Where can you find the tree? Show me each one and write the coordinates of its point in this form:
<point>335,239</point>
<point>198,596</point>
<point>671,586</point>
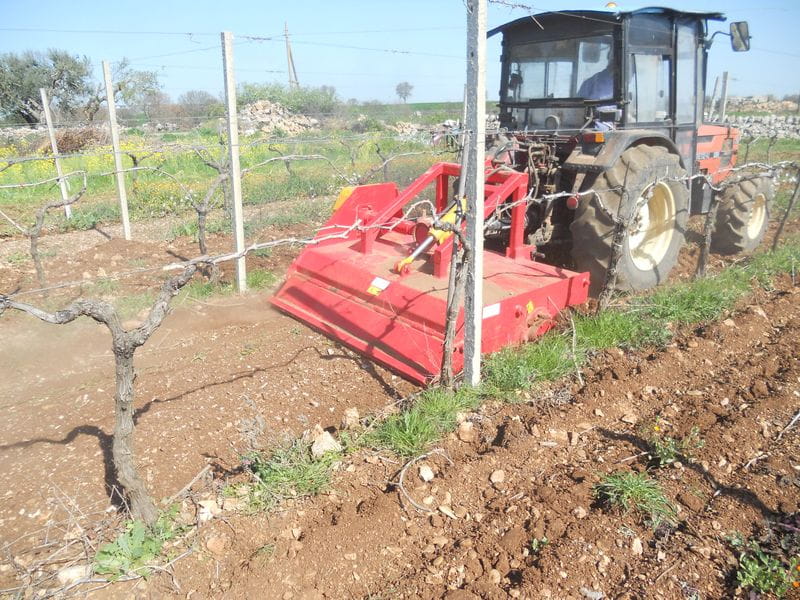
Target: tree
<point>131,88</point>
<point>404,90</point>
<point>199,104</point>
<point>64,76</point>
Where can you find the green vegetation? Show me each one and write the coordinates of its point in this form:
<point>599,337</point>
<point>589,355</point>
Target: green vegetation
<point>637,491</point>
<point>136,547</point>
<point>200,289</point>
<point>667,449</point>
<point>289,471</point>
<point>537,544</point>
<point>765,574</point>
<point>434,413</point>
<point>300,99</point>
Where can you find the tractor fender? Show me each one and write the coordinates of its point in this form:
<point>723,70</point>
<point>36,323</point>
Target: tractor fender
<point>596,158</point>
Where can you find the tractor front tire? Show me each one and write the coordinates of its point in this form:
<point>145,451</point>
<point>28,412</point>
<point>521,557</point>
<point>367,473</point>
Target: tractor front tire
<point>646,177</point>
<point>742,216</point>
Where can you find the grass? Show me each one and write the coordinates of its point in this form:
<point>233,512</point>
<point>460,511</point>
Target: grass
<point>257,279</point>
<point>288,472</point>
<point>130,306</point>
<point>434,413</point>
<point>639,492</point>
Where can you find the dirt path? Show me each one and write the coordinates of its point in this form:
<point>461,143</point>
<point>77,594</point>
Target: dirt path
<point>738,382</point>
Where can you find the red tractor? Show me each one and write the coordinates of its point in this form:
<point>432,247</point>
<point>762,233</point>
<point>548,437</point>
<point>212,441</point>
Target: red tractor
<point>613,102</point>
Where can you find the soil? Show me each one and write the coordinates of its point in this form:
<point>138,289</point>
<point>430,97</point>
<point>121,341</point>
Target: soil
<point>216,365</point>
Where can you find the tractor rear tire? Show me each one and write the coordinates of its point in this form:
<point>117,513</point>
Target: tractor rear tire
<point>742,216</point>
<point>651,245</point>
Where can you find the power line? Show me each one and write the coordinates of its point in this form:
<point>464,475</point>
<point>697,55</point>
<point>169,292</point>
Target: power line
<point>332,45</point>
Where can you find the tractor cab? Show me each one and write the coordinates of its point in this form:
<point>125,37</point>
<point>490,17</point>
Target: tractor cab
<point>569,71</point>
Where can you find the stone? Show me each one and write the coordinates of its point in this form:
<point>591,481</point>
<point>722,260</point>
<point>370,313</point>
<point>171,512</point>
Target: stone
<point>498,476</point>
<point>466,432</point>
<point>580,512</point>
<point>592,594</point>
<point>323,442</point>
<point>599,413</point>
<point>691,501</point>
<point>630,418</point>
<point>216,544</point>
<point>494,576</point>
<point>69,575</point>
<point>636,547</point>
<point>447,511</point>
<point>439,540</point>
<point>351,419</point>
<point>208,510</point>
<point>426,473</point>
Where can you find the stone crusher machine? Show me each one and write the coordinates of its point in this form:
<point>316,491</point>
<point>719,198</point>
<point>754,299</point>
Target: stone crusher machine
<point>381,287</point>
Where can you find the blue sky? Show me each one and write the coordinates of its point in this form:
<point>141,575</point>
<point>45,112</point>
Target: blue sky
<point>419,41</point>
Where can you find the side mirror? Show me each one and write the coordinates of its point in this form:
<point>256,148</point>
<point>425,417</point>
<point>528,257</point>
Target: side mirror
<point>740,36</point>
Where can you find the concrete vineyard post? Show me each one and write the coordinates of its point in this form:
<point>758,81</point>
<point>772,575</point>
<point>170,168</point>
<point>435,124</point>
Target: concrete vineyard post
<point>476,125</point>
<point>62,184</point>
<point>235,174</point>
<point>112,122</point>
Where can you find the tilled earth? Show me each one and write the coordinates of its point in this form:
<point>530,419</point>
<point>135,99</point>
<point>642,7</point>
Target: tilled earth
<point>216,365</point>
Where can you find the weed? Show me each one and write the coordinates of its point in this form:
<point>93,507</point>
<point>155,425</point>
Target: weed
<point>765,574</point>
<point>105,287</point>
<point>136,547</point>
<point>259,278</point>
<point>514,369</point>
<point>617,328</point>
<point>130,306</point>
<point>537,544</point>
<point>90,216</point>
<point>434,413</point>
<point>667,449</point>
<point>288,472</point>
<point>639,492</point>
<point>17,259</point>
<point>699,301</point>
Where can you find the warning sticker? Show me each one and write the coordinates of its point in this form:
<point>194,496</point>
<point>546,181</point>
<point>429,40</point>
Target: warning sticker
<point>491,311</point>
<point>377,286</point>
<point>530,306</point>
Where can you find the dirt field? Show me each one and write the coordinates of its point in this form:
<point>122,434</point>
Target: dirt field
<point>218,362</point>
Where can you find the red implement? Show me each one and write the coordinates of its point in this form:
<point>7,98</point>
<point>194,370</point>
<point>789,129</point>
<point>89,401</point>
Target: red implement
<point>348,288</point>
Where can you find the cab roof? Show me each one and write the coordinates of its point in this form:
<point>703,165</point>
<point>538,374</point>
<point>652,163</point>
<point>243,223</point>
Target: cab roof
<point>603,16</point>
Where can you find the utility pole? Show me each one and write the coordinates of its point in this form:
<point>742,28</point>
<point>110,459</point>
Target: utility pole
<point>235,172</point>
<point>293,83</point>
<point>62,184</point>
<point>476,125</point>
<point>112,123</point>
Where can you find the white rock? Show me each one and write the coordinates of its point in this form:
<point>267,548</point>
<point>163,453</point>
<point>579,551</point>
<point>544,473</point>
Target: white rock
<point>636,546</point>
<point>426,473</point>
<point>498,476</point>
<point>323,442</point>
<point>70,575</point>
<point>351,418</point>
<point>208,510</point>
<point>466,432</point>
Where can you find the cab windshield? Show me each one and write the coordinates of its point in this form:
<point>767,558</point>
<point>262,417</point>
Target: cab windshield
<point>572,68</point>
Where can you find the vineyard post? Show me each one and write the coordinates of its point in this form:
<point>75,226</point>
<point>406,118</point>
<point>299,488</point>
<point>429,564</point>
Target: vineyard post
<point>62,183</point>
<point>476,125</point>
<point>233,164</point>
<point>112,122</point>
